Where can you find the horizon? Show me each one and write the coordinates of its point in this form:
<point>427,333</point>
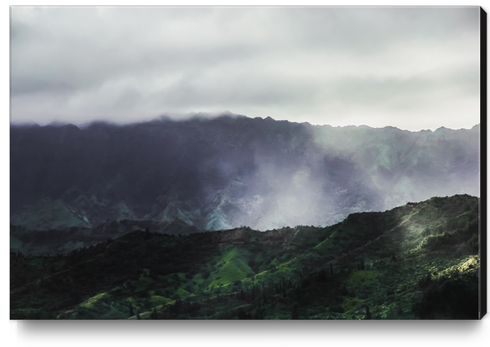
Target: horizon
<point>203,116</point>
<point>414,68</point>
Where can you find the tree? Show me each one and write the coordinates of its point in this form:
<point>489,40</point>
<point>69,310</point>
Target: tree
<point>322,277</point>
<point>131,312</point>
<point>368,314</point>
<point>243,315</point>
<point>295,314</point>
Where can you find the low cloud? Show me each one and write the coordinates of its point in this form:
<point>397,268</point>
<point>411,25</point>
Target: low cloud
<point>409,67</point>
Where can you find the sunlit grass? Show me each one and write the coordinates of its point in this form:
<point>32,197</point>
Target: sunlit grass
<point>89,303</point>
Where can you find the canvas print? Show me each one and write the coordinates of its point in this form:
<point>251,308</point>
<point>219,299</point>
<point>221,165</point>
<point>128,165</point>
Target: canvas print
<point>229,163</point>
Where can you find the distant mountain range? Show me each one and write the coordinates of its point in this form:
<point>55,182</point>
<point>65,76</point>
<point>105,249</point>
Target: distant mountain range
<point>229,171</point>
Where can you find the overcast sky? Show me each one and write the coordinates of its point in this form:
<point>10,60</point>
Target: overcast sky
<point>410,67</point>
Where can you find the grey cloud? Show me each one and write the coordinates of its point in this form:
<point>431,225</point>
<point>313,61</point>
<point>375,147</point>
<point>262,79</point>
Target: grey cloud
<point>368,30</point>
<point>378,91</point>
<point>24,85</point>
<point>133,63</point>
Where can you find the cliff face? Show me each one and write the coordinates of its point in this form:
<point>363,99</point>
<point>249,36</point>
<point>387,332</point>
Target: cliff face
<point>230,171</point>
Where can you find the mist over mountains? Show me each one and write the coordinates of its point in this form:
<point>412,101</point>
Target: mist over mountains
<point>230,171</point>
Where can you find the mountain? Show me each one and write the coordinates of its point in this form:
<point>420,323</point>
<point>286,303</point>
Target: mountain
<point>65,240</point>
<point>417,261</point>
<point>229,171</point>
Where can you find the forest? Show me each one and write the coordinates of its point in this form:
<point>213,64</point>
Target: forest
<point>417,261</point>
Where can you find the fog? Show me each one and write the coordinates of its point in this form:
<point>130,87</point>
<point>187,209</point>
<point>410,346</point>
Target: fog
<point>410,67</point>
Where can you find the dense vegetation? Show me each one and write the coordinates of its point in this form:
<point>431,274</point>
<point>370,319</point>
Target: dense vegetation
<point>418,261</point>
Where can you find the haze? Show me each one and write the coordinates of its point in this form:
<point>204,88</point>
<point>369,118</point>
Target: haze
<point>409,67</point>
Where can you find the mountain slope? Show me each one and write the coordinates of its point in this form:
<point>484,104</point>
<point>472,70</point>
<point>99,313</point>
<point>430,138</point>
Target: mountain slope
<point>416,261</point>
<point>233,171</point>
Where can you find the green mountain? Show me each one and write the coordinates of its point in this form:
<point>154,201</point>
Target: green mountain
<point>417,261</point>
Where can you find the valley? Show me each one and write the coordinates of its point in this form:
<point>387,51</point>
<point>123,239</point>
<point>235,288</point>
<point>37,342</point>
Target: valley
<point>240,218</point>
<point>417,261</point>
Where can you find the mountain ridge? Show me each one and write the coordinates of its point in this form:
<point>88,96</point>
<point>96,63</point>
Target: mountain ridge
<point>208,117</point>
<point>231,171</point>
<point>417,261</point>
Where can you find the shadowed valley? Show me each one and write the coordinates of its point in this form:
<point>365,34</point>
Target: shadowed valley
<point>418,261</point>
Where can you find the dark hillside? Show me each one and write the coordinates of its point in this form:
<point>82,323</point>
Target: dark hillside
<point>230,171</point>
<point>417,261</point>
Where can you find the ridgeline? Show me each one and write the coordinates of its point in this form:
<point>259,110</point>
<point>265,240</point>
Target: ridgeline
<point>417,261</point>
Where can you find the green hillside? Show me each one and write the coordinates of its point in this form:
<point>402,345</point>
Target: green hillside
<point>418,261</point>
